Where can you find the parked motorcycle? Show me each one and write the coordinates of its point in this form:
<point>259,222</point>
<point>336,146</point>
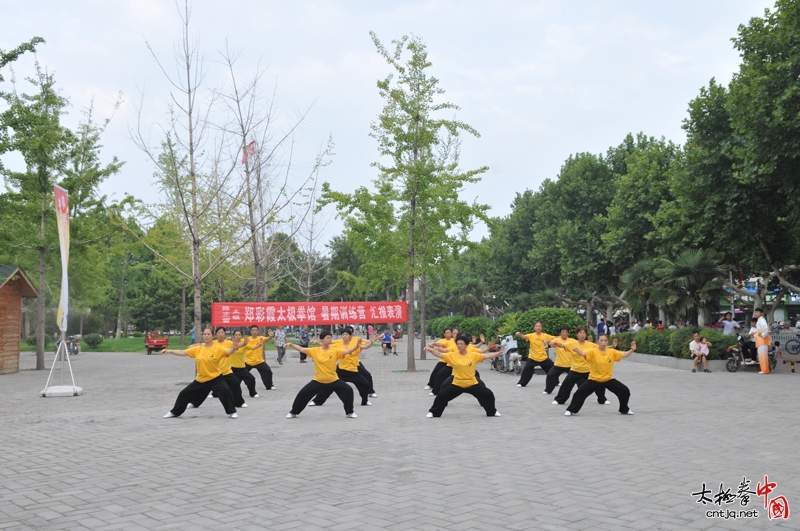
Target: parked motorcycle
<point>737,358</point>
<point>73,345</point>
<point>511,360</point>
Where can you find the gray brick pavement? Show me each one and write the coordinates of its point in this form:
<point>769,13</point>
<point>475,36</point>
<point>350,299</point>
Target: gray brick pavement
<point>108,461</point>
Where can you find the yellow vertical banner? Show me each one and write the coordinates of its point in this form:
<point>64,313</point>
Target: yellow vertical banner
<point>62,216</point>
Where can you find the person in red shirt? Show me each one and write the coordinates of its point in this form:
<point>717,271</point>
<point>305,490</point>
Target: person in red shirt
<point>661,326</point>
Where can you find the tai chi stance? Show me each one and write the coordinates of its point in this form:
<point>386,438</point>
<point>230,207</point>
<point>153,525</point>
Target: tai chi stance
<point>348,370</point>
<point>601,374</point>
<point>254,358</point>
<point>579,371</point>
<point>539,342</point>
<point>325,358</point>
<point>208,379</point>
<point>463,363</point>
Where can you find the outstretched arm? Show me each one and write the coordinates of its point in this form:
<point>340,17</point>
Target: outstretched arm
<point>298,348</point>
<point>631,351</point>
<point>492,355</point>
<point>578,351</point>
<point>175,352</point>
<point>439,353</point>
<point>352,349</point>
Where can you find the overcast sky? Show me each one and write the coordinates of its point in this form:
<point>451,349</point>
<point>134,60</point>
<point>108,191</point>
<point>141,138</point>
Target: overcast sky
<point>539,79</point>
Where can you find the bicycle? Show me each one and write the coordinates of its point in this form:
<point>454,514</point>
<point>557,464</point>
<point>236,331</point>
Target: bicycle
<point>793,345</point>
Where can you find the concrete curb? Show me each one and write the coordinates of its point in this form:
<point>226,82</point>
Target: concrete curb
<point>675,363</point>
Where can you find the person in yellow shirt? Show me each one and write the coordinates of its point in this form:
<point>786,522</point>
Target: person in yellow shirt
<point>238,365</point>
<point>208,379</point>
<point>225,367</point>
<point>445,342</point>
<point>463,362</point>
<point>254,357</point>
<point>563,361</point>
<point>446,373</point>
<point>348,369</point>
<point>539,341</point>
<point>601,374</point>
<point>579,370</point>
<point>325,377</point>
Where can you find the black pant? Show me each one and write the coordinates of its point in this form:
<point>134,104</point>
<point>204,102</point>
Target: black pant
<point>438,367</point>
<point>234,384</point>
<point>590,386</point>
<point>196,392</point>
<point>527,371</point>
<point>342,390</point>
<point>441,376</point>
<point>367,376</point>
<point>577,378</point>
<point>249,380</point>
<point>552,377</point>
<point>481,392</point>
<point>265,372</point>
<point>449,381</point>
<point>348,376</point>
<point>303,355</point>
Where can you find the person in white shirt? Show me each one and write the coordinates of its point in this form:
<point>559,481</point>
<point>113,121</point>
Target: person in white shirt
<point>763,341</point>
<point>729,326</point>
<point>637,326</point>
<point>697,353</point>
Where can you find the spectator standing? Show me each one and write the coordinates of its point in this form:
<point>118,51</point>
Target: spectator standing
<point>763,341</point>
<point>303,342</point>
<point>661,326</point>
<point>280,343</point>
<point>637,326</point>
<point>729,326</point>
<point>601,327</point>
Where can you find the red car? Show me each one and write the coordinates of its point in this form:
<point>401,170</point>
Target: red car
<point>155,341</point>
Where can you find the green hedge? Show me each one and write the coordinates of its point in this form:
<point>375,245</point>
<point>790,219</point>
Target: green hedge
<point>93,340</point>
<point>675,343</point>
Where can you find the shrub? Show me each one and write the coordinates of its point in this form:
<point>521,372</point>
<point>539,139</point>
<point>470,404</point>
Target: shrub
<point>475,326</point>
<point>93,340</point>
<point>653,342</point>
<point>624,339</point>
<point>31,340</point>
<point>679,343</point>
<point>552,320</point>
<point>504,325</point>
<point>136,334</point>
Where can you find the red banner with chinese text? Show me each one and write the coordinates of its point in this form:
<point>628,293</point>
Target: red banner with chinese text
<point>306,313</point>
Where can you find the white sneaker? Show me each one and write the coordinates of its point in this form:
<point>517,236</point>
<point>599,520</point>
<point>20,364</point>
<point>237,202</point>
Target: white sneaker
<point>243,405</point>
<point>426,388</point>
<point>554,402</point>
<point>368,403</point>
<point>352,415</point>
<point>170,415</point>
<point>272,388</point>
<point>429,415</point>
<point>568,413</point>
<point>558,384</point>
<point>312,404</point>
<point>190,406</point>
<point>607,402</point>
<point>291,416</point>
<point>430,394</point>
<point>256,396</point>
<point>210,395</point>
<point>234,415</point>
<point>497,414</point>
<point>519,385</point>
<point>373,395</point>
<point>545,393</point>
<point>630,412</point>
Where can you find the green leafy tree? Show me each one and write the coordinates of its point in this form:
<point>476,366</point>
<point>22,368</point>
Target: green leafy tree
<point>417,200</point>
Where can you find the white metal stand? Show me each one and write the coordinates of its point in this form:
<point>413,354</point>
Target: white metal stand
<point>61,390</point>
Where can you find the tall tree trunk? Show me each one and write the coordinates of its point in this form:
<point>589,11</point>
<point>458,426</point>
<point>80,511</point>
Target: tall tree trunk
<point>183,313</point>
<point>410,366</point>
<point>80,325</point>
<point>422,292</point>
<point>41,299</point>
<point>121,298</point>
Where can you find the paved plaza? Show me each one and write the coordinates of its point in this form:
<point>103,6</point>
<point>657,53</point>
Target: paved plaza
<point>108,461</point>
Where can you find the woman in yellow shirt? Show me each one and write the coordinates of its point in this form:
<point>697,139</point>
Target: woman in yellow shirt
<point>254,358</point>
<point>208,379</point>
<point>348,370</point>
<point>446,372</point>
<point>601,375</point>
<point>463,362</point>
<point>225,367</point>
<point>579,370</point>
<point>238,365</point>
<point>563,361</point>
<point>539,341</point>
<point>325,358</point>
<point>445,342</point>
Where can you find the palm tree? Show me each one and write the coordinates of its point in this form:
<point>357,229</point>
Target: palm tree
<point>694,280</point>
<point>469,297</point>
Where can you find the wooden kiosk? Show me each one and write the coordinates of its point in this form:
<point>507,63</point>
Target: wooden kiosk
<point>14,286</point>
